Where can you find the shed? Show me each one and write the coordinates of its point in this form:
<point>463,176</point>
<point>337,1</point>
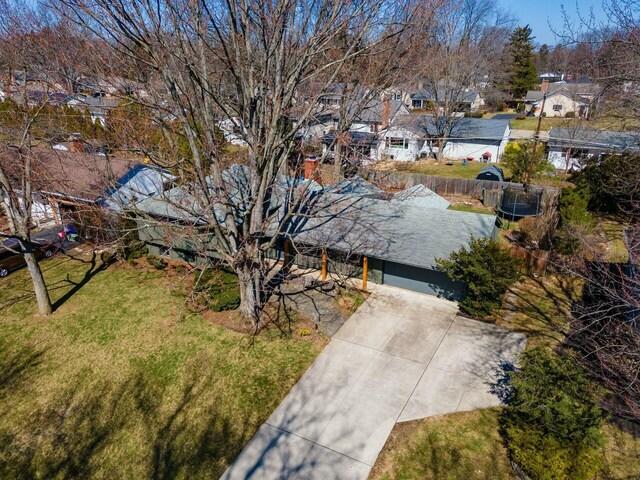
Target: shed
<point>493,173</point>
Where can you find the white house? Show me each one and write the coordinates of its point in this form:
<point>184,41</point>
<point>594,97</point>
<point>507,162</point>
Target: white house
<point>562,98</point>
<point>414,137</point>
<point>569,148</point>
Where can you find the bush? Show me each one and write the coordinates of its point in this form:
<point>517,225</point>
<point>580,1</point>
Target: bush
<point>575,220</point>
<point>217,289</point>
<point>129,246</point>
<point>525,161</point>
<point>570,115</point>
<point>521,117</point>
<point>487,270</point>
<point>474,114</point>
<point>552,424</point>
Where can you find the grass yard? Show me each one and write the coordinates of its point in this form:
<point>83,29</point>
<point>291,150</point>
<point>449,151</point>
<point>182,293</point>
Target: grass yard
<point>468,446</point>
<point>613,231</point>
<point>429,167</point>
<point>540,308</point>
<point>123,381</point>
<point>470,209</point>
<point>531,123</point>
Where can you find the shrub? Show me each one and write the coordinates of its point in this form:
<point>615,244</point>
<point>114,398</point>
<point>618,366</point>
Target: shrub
<point>552,424</point>
<point>158,263</point>
<point>521,117</point>
<point>524,161</point>
<point>570,115</point>
<point>474,114</point>
<point>487,270</point>
<point>129,246</point>
<point>575,220</point>
<point>304,332</point>
<point>217,289</point>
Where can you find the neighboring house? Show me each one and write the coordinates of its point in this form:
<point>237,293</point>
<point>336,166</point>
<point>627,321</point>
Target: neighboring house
<point>414,137</point>
<point>400,239</point>
<point>368,118</point>
<point>232,131</point>
<point>63,182</point>
<point>470,100</point>
<point>569,148</point>
<point>562,98</point>
<point>97,105</point>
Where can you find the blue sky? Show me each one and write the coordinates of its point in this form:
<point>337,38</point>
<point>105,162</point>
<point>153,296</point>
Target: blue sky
<point>538,14</point>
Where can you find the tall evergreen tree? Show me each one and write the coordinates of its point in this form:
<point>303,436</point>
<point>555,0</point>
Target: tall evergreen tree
<point>523,74</point>
<point>543,58</point>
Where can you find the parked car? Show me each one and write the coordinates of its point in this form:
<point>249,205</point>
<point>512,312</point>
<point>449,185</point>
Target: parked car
<point>11,259</point>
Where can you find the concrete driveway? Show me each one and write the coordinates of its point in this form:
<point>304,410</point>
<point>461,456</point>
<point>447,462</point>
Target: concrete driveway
<point>401,356</point>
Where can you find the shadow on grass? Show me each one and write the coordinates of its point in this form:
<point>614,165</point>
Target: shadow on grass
<point>126,430</point>
<point>541,308</point>
<point>21,290</point>
<point>15,366</point>
<point>95,265</point>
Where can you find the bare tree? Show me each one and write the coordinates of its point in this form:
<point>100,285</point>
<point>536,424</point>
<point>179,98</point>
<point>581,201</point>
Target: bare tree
<point>455,55</point>
<point>246,61</point>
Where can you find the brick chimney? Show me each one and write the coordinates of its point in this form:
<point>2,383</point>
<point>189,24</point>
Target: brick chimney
<point>545,85</point>
<point>311,169</point>
<point>386,111</point>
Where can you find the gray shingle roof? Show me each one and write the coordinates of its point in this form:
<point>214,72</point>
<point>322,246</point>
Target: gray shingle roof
<point>466,128</point>
<point>590,137</point>
<point>392,231</point>
<point>573,90</point>
<point>401,230</point>
<point>421,196</point>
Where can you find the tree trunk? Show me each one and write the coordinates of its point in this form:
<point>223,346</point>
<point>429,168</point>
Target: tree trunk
<point>337,162</point>
<point>439,157</point>
<point>39,286</point>
<point>250,284</point>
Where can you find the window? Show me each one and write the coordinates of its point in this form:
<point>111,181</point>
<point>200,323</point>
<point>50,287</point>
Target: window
<point>397,96</point>
<point>396,142</point>
<point>557,107</point>
<point>416,103</point>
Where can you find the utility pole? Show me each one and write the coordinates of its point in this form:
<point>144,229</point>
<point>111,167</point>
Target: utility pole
<point>536,137</point>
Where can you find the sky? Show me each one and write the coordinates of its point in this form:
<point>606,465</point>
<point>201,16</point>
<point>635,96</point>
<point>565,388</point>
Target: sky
<point>538,14</point>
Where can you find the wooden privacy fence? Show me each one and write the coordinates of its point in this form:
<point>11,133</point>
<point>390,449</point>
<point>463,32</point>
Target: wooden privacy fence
<point>444,185</point>
<point>440,185</point>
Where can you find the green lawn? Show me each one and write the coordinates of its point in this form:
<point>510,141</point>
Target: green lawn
<point>124,382</point>
<point>468,446</point>
<point>531,123</point>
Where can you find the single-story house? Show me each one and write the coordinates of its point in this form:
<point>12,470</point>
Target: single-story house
<point>562,98</point>
<point>64,181</point>
<point>413,137</point>
<point>492,172</point>
<point>368,118</point>
<point>97,105</point>
<point>570,147</point>
<point>400,239</point>
<point>469,100</point>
